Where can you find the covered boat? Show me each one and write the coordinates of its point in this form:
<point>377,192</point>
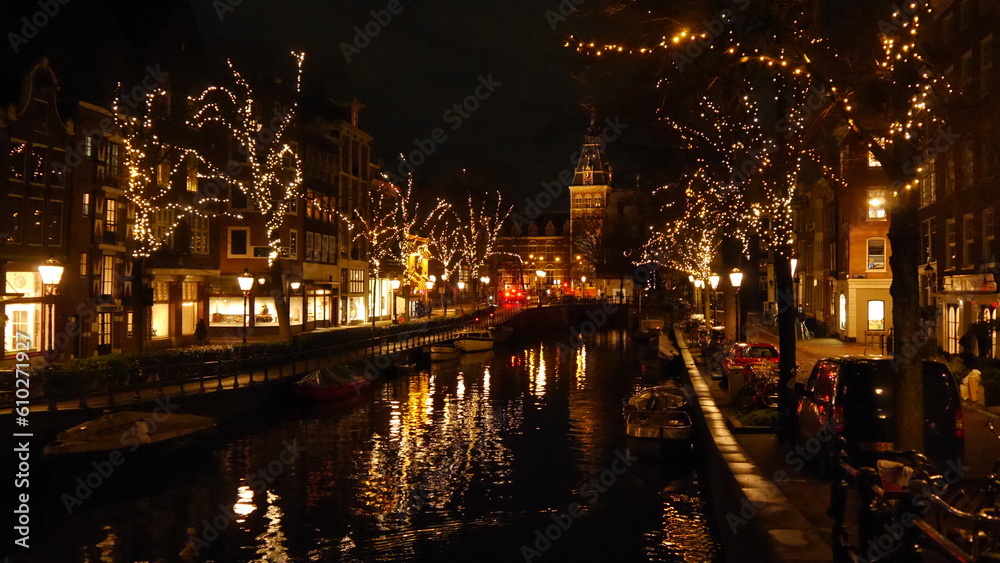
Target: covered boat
<point>444,351</point>
<point>501,333</point>
<point>330,384</point>
<point>659,398</point>
<point>650,432</point>
<point>474,340</point>
<point>129,430</point>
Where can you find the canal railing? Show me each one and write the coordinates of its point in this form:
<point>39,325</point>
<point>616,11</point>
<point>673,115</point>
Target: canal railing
<point>903,523</point>
<point>75,388</point>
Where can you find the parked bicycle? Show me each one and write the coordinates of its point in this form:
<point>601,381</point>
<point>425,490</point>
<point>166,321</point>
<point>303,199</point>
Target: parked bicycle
<point>760,390</point>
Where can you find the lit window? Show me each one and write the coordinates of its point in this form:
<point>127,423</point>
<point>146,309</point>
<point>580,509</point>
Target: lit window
<point>876,254</point>
<point>876,315</point>
<point>952,321</point>
<point>192,180</point>
<point>86,205</point>
<point>873,161</point>
<point>83,264</point>
<point>18,155</point>
<point>842,309</point>
<point>111,216</point>
<point>36,165</point>
<point>876,204</point>
<point>199,234</point>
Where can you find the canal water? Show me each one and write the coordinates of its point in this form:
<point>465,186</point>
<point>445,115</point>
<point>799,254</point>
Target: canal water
<point>508,455</point>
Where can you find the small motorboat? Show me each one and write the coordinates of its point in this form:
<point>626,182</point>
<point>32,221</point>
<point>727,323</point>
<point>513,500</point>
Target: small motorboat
<point>129,430</point>
<point>501,333</point>
<point>659,398</point>
<point>474,340</point>
<point>444,351</point>
<point>330,384</point>
<point>651,432</point>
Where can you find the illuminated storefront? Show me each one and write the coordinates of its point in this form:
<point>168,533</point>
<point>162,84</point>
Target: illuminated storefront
<point>23,329</point>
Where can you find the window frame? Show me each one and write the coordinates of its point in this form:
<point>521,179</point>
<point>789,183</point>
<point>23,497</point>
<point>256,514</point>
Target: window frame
<point>229,242</point>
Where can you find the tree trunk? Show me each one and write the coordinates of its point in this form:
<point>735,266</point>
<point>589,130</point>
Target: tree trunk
<point>281,308</point>
<point>140,321</point>
<point>787,318</point>
<point>910,344</point>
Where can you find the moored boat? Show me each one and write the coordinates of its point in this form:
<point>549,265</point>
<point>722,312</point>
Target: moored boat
<point>501,333</point>
<point>474,340</point>
<point>129,430</point>
<point>444,351</point>
<point>330,384</point>
<point>663,397</point>
<point>650,432</point>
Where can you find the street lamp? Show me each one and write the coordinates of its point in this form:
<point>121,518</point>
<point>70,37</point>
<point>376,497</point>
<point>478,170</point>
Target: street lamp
<point>429,284</point>
<point>461,288</point>
<point>736,279</point>
<point>485,280</point>
<point>541,279</point>
<point>246,282</point>
<point>395,286</point>
<point>51,272</point>
<point>713,280</point>
<point>294,287</point>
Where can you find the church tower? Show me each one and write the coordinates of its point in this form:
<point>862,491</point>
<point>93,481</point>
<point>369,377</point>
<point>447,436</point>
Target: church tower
<point>588,203</point>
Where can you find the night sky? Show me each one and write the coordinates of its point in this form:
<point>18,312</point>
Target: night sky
<point>429,57</point>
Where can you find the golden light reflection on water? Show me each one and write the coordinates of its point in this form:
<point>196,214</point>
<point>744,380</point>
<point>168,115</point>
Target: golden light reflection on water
<point>581,367</point>
<point>448,438</point>
<point>272,542</point>
<point>244,505</point>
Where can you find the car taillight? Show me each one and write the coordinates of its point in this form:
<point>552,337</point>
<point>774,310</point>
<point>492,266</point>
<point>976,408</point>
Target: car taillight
<point>959,423</point>
<point>838,419</point>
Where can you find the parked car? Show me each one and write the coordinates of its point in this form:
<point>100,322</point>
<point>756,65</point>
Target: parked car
<point>856,397</point>
<point>742,355</point>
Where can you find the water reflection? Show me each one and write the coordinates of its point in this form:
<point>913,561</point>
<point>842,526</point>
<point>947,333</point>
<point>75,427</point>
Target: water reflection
<point>446,464</point>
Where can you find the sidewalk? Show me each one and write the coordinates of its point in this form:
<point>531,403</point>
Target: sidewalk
<point>787,469</point>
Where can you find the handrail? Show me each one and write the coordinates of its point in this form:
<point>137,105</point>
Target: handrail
<point>214,373</point>
<point>879,511</point>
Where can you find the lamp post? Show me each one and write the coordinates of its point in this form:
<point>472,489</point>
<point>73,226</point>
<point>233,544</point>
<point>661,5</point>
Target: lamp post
<point>443,290</point>
<point>51,272</point>
<point>429,284</point>
<point>485,280</point>
<point>540,274</point>
<point>713,281</point>
<point>583,283</point>
<point>736,279</point>
<point>461,300</point>
<point>395,286</point>
<point>246,282</point>
<point>294,286</point>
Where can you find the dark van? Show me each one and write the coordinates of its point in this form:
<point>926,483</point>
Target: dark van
<point>856,397</point>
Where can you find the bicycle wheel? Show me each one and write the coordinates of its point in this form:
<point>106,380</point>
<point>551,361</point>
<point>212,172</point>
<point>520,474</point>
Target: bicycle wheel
<point>973,496</point>
<point>770,397</point>
<point>746,401</point>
